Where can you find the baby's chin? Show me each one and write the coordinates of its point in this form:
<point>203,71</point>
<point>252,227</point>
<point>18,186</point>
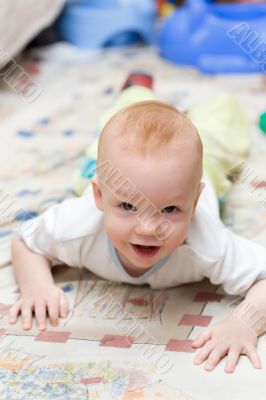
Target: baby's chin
<point>137,271</point>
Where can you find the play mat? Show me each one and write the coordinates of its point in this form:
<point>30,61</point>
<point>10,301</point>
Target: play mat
<point>138,345</point>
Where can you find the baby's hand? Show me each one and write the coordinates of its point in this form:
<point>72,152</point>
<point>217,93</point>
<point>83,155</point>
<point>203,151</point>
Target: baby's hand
<point>230,336</point>
<point>40,299</point>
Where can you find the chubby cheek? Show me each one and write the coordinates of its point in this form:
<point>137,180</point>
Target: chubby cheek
<point>176,237</point>
<point>117,230</point>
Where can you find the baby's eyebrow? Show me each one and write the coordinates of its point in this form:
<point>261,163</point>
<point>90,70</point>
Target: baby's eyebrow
<point>131,195</point>
<point>121,192</point>
<point>174,199</point>
<point>121,196</point>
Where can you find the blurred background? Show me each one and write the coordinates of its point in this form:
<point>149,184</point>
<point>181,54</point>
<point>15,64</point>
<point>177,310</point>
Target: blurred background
<point>187,32</point>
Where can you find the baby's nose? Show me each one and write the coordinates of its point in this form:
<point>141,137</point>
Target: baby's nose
<point>145,229</point>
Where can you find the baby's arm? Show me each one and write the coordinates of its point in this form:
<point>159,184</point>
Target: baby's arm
<point>242,271</point>
<point>39,294</point>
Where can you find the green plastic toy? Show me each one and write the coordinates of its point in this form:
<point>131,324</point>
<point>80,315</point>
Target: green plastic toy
<point>262,122</point>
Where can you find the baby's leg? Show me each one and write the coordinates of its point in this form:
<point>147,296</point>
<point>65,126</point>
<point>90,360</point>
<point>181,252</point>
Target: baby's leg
<point>225,134</point>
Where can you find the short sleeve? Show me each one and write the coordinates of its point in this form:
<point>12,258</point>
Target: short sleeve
<point>225,258</point>
<point>65,231</point>
<point>242,263</point>
<point>39,235</point>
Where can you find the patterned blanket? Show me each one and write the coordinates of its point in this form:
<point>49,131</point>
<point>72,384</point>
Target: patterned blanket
<point>118,342</point>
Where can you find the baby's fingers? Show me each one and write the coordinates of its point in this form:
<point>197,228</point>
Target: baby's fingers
<point>53,310</point>
<point>202,339</point>
<point>40,314</point>
<point>218,352</point>
<point>14,311</point>
<point>26,314</point>
<point>63,306</point>
<point>232,358</point>
<point>204,353</point>
<point>251,352</point>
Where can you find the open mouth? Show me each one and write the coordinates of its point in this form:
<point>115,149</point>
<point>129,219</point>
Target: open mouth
<point>145,251</point>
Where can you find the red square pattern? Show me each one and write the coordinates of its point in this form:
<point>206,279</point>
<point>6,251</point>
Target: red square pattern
<point>117,341</point>
<point>92,380</point>
<point>180,345</point>
<point>56,337</point>
<point>204,297</point>
<point>196,320</point>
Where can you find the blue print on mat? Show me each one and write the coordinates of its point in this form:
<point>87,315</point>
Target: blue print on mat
<point>25,215</point>
<point>24,133</point>
<point>44,121</point>
<point>5,233</point>
<point>28,192</point>
<point>69,132</point>
<point>68,287</point>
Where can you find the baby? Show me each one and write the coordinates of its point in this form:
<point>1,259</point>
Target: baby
<point>147,217</point>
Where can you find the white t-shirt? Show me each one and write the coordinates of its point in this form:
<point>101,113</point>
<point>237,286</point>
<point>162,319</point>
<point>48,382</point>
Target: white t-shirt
<point>73,233</point>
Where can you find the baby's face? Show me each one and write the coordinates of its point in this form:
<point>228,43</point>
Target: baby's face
<point>153,221</point>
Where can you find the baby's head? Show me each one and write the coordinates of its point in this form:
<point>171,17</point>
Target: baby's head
<point>149,171</point>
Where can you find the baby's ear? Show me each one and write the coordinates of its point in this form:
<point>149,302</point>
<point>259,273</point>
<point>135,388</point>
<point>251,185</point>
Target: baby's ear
<point>200,188</point>
<point>97,193</point>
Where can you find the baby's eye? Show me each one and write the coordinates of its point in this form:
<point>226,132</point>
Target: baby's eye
<point>170,209</point>
<point>128,207</point>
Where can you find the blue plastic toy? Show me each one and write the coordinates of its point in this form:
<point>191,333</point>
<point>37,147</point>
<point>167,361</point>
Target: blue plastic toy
<point>216,38</point>
<point>101,23</point>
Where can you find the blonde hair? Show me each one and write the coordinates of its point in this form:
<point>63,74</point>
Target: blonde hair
<point>148,126</point>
